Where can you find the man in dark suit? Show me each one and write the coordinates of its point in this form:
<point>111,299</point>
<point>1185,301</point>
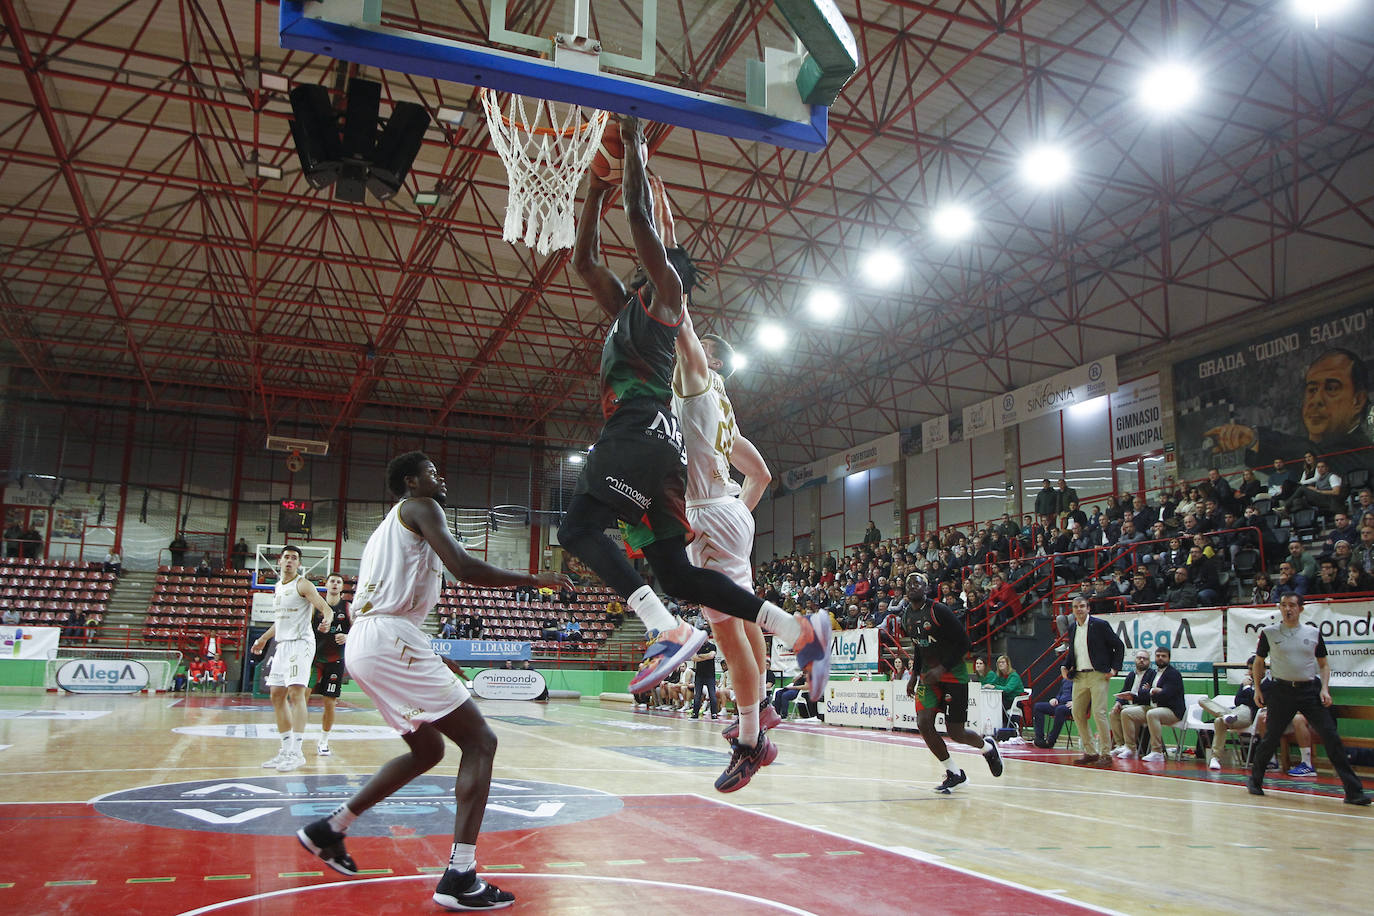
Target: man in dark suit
<point>1136,692</point>
<point>1095,654</point>
<point>1166,707</point>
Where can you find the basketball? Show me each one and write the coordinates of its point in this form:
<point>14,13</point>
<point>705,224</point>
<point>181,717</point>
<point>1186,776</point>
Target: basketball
<point>608,163</point>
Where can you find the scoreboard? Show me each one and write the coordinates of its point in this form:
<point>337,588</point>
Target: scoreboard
<point>294,516</point>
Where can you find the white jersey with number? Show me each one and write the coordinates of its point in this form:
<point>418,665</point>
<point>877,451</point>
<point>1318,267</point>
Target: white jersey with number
<point>709,433</point>
<point>292,611</point>
<point>400,574</point>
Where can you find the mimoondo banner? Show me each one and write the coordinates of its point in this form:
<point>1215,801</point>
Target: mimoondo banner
<point>1347,629</point>
<point>1277,395</point>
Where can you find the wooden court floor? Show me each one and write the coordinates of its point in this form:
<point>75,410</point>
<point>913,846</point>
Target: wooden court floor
<point>158,804</point>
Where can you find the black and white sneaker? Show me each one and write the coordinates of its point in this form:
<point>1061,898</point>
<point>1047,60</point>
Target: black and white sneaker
<point>325,842</point>
<point>463,890</point>
<point>993,756</point>
<point>951,780</point>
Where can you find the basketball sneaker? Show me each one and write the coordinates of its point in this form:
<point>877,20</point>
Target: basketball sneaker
<point>328,844</point>
<point>745,762</point>
<point>951,780</point>
<point>275,761</point>
<point>322,749</point>
<point>813,653</point>
<point>993,756</point>
<point>1303,769</point>
<point>768,718</point>
<point>291,762</point>
<point>670,649</point>
<point>465,891</point>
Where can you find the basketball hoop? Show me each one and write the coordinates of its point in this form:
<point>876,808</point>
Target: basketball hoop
<point>546,147</point>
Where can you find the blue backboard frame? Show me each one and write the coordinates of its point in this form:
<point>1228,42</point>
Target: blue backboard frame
<point>409,52</point>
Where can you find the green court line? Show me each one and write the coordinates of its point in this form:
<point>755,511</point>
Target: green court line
<point>566,864</point>
<point>1198,846</point>
<point>844,852</point>
<point>227,877</point>
<point>1049,847</point>
<point>1097,847</point>
<point>375,871</point>
<point>742,857</point>
<point>85,881</point>
<point>791,855</point>
<point>500,868</point>
<point>436,869</point>
<point>1149,846</point>
<point>300,874</point>
<point>626,862</point>
<point>150,881</point>
<point>6,884</point>
<point>680,859</point>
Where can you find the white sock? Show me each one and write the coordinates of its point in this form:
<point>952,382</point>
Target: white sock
<point>649,609</point>
<point>780,623</point>
<point>463,857</point>
<point>341,819</point>
<point>949,766</point>
<point>296,739</point>
<point>763,685</point>
<point>749,726</point>
<point>285,743</point>
<point>324,736</point>
<point>989,745</point>
<point>1306,754</point>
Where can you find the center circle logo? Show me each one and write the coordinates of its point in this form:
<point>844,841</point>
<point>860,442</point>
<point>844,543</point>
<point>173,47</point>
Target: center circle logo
<point>280,805</point>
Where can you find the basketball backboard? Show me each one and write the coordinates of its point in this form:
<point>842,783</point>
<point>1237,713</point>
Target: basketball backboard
<point>599,55</point>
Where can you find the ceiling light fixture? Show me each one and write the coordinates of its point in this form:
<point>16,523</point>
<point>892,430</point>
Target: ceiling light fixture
<point>1169,87</point>
<point>883,267</point>
<point>772,336</point>
<point>1046,166</point>
<point>952,222</point>
<point>824,303</point>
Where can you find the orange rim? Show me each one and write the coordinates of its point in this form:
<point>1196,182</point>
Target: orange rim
<point>537,131</point>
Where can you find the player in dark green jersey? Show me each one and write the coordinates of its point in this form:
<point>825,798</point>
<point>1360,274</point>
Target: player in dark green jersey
<point>635,474</point>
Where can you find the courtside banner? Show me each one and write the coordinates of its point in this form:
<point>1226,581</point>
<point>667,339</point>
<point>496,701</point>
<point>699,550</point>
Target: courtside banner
<point>1345,627</point>
<point>482,650</point>
<point>500,684</point>
<point>102,675</point>
<point>29,642</point>
<point>1193,637</point>
<point>866,703</point>
<point>854,650</point>
<point>984,709</point>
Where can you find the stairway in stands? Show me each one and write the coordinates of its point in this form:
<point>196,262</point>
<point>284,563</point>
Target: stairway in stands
<point>626,640</point>
<point>127,607</point>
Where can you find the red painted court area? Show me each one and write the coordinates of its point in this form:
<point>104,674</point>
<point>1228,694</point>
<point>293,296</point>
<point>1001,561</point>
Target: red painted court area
<point>672,853</point>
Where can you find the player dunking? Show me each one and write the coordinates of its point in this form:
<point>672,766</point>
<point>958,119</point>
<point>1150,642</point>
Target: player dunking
<point>295,604</point>
<point>720,512</point>
<point>942,644</point>
<point>331,634</point>
<point>635,472</point>
<point>416,693</point>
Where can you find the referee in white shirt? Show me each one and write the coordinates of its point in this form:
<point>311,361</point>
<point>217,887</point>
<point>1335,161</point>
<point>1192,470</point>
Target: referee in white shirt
<point>1301,683</point>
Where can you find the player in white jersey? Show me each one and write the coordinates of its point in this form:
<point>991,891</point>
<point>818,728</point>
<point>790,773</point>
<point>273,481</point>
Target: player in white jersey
<point>720,512</point>
<point>415,691</point>
<point>288,679</point>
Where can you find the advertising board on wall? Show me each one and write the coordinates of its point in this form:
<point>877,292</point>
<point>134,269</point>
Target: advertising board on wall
<point>482,650</point>
<point>102,675</point>
<point>1346,628</point>
<point>864,703</point>
<point>1137,418</point>
<point>1193,637</point>
<point>854,650</point>
<point>500,684</point>
<point>29,642</point>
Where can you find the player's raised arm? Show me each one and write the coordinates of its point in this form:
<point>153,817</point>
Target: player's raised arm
<point>605,286</point>
<point>691,375</point>
<point>424,515</point>
<point>667,303</point>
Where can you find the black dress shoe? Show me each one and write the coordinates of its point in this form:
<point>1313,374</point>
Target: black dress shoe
<point>1361,800</point>
<point>1253,787</point>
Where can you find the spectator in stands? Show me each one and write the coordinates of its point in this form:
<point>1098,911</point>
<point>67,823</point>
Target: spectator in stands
<point>1304,564</point>
<point>1094,656</point>
<point>113,562</point>
<point>1290,582</point>
<point>1127,543</point>
<point>178,549</point>
<point>1167,707</point>
<point>203,567</point>
<point>10,616</point>
<point>1263,591</point>
<point>1060,706</point>
<point>1104,599</point>
<point>704,678</point>
<point>1135,694</point>
<point>448,629</point>
<point>1182,593</point>
<point>872,536</point>
<point>783,696</point>
<point>1342,529</point>
<point>615,612</point>
<point>1202,572</point>
<point>1190,504</point>
<point>14,539</point>
<point>1329,581</point>
<point>475,625</point>
<point>1006,679</point>
<point>1221,489</point>
<point>1143,589</point>
<point>1321,491</point>
<point>1362,553</point>
<point>1282,481</point>
<point>1066,496</point>
<point>1364,505</point>
<point>1357,580</point>
<point>1047,505</point>
<point>1236,717</point>
<point>33,543</point>
<point>1249,488</point>
<point>72,624</point>
<point>238,556</point>
<point>1341,552</point>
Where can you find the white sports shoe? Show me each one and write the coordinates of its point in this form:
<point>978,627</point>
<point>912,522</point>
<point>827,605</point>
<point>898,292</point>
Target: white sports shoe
<point>1213,764</point>
<point>275,761</point>
<point>1153,757</point>
<point>291,762</point>
<point>1126,754</point>
<point>1119,750</point>
<point>322,749</point>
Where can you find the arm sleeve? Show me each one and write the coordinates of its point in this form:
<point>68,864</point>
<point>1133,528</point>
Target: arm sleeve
<point>1321,646</point>
<point>1262,650</point>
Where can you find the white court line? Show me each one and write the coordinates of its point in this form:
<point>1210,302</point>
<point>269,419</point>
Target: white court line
<point>921,858</point>
<point>505,877</point>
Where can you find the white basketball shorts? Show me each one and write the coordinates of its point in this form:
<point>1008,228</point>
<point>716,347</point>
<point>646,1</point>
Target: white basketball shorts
<point>393,662</point>
<point>291,663</point>
<point>724,540</point>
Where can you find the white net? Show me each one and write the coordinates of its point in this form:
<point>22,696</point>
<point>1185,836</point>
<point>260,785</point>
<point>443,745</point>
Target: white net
<point>546,147</point>
<point>160,663</point>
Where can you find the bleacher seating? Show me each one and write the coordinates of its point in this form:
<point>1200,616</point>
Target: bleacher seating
<point>505,615</point>
<point>187,607</point>
<point>45,592</point>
